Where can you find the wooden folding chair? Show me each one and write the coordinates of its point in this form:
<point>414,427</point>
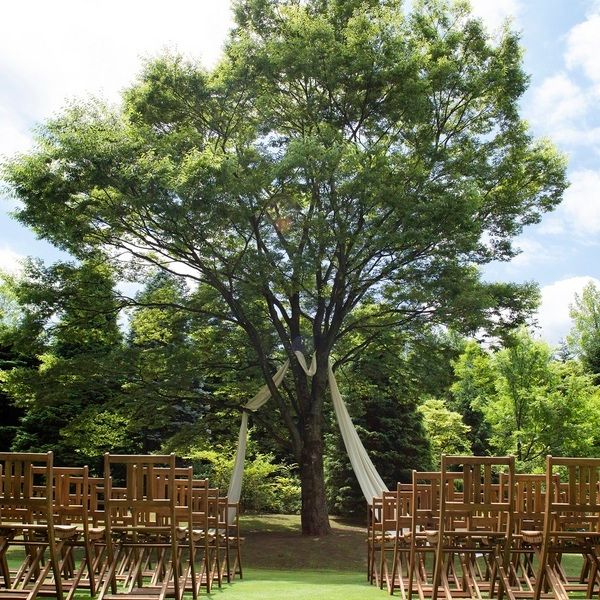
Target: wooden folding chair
<point>426,490</point>
<point>229,518</point>
<point>381,531</point>
<point>27,520</point>
<point>141,530</point>
<point>207,535</point>
<point>181,487</point>
<point>390,518</point>
<point>530,502</point>
<point>571,526</point>
<point>71,506</point>
<point>398,577</point>
<point>479,523</point>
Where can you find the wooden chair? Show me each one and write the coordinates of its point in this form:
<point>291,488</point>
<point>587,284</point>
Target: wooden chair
<point>398,577</point>
<point>390,517</point>
<point>478,523</point>
<point>426,491</point>
<point>571,526</point>
<point>27,520</point>
<point>229,516</point>
<point>204,534</point>
<point>380,531</point>
<point>71,507</point>
<point>530,501</point>
<point>141,530</point>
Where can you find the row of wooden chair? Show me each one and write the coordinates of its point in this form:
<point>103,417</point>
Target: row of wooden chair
<point>477,529</point>
<point>162,534</point>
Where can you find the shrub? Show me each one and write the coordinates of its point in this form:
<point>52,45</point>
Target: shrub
<point>268,486</point>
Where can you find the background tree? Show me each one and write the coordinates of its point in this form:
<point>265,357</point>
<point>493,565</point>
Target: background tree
<point>475,383</point>
<point>69,325</point>
<point>584,337</point>
<point>10,358</point>
<point>533,404</point>
<point>445,429</point>
<point>164,393</point>
<point>342,154</point>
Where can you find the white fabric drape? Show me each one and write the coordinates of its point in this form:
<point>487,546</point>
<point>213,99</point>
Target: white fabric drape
<point>235,483</point>
<point>369,479</point>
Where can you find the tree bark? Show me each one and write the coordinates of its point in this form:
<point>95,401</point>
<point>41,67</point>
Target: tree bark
<point>314,514</point>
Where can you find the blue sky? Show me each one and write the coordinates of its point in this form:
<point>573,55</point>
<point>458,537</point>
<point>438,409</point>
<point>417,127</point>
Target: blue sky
<point>51,52</point>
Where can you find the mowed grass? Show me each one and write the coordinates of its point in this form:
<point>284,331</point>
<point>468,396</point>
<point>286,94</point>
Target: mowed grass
<point>265,584</point>
<point>279,563</point>
<point>274,542</point>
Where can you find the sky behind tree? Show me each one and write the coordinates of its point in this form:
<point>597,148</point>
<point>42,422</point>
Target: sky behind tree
<point>54,52</point>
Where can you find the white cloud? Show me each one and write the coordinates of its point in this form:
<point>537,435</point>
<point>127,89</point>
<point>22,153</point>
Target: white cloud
<point>53,51</point>
<point>579,213</point>
<point>10,261</point>
<point>532,252</point>
<point>581,206</point>
<point>557,101</point>
<point>553,315</point>
<point>496,12</point>
<point>583,47</point>
<point>572,136</point>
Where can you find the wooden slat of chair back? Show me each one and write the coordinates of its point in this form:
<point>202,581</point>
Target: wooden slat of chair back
<point>481,504</point>
<point>180,489</point>
<point>137,500</point>
<point>25,495</point>
<point>426,488</point>
<point>576,503</point>
<point>530,498</point>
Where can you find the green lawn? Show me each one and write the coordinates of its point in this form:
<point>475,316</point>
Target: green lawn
<point>279,563</point>
<point>267,584</point>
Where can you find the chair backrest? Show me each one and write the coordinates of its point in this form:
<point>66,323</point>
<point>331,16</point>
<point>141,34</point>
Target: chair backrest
<point>26,491</point>
<point>180,489</point>
<point>141,501</point>
<point>530,498</point>
<point>426,489</point>
<point>96,504</point>
<point>388,515</point>
<point>480,507</point>
<point>575,504</point>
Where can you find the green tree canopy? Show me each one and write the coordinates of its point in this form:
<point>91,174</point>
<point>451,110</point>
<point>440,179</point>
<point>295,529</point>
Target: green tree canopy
<point>533,405</point>
<point>584,337</point>
<point>342,154</point>
<point>68,328</point>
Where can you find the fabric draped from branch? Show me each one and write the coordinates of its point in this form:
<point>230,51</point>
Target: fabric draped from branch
<point>369,479</point>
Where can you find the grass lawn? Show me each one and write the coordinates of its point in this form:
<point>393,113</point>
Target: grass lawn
<point>279,563</point>
<point>265,584</point>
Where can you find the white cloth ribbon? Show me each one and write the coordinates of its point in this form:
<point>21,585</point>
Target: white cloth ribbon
<point>369,479</point>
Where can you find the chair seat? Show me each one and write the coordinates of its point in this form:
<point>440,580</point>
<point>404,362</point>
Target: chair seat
<point>532,536</point>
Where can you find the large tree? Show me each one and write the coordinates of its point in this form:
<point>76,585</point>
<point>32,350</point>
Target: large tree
<point>342,155</point>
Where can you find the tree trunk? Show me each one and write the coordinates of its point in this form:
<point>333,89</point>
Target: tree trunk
<point>314,516</point>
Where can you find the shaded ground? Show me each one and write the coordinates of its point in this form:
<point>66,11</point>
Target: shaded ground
<point>274,542</point>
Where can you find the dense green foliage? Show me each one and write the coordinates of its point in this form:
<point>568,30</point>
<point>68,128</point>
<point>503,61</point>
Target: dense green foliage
<point>531,403</point>
<point>584,338</point>
<point>268,486</point>
<point>345,168</point>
